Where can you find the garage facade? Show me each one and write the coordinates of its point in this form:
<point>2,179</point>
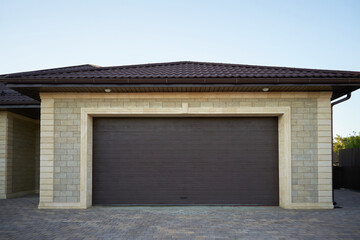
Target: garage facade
<point>165,105</point>
<point>185,133</point>
<point>164,161</point>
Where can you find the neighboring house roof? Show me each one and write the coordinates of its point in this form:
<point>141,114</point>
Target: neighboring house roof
<point>12,97</point>
<point>182,76</point>
<point>15,102</point>
<point>184,69</point>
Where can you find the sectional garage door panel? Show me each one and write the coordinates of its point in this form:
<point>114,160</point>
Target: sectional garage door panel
<point>185,161</point>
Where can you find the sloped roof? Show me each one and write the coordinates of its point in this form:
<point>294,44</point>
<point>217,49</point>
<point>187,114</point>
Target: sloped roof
<point>12,97</point>
<point>183,69</point>
<point>51,71</point>
<point>182,76</point>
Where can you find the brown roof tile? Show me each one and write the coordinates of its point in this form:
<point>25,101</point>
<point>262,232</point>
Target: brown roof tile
<point>50,71</point>
<point>184,69</point>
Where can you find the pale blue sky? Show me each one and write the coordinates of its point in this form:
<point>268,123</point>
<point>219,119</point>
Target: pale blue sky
<point>311,34</point>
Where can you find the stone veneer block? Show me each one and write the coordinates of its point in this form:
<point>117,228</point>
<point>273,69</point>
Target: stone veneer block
<point>3,154</point>
<point>47,152</point>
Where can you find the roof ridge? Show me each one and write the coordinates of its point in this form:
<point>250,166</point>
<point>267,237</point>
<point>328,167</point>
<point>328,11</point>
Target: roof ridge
<point>211,63</point>
<point>276,67</point>
<point>97,68</point>
<point>145,65</point>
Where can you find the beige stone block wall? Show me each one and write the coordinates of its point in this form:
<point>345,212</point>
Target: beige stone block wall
<point>3,154</point>
<point>19,155</point>
<point>61,136</point>
<point>46,152</point>
<point>324,150</point>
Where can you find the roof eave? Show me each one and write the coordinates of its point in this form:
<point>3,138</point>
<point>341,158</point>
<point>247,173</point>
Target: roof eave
<point>339,87</point>
<point>230,80</point>
<point>11,106</point>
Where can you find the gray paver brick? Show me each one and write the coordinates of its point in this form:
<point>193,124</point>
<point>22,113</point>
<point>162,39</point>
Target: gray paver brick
<point>20,219</point>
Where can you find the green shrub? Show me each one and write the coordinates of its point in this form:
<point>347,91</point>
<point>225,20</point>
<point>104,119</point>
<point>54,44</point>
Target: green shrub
<point>351,141</point>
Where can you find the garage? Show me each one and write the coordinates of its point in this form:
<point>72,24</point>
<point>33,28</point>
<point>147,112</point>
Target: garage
<point>185,161</point>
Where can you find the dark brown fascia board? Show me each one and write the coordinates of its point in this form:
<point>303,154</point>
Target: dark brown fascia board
<point>169,81</point>
<point>6,106</point>
<point>57,85</point>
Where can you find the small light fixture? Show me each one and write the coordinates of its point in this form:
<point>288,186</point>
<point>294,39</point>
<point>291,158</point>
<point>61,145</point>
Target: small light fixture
<point>265,89</point>
<point>107,90</point>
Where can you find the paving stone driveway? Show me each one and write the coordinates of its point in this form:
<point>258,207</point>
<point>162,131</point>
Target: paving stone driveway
<point>20,219</point>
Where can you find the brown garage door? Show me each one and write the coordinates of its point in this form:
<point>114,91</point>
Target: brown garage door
<point>185,161</point>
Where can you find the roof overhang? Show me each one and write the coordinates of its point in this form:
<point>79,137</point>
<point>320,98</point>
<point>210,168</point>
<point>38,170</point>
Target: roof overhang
<point>200,80</point>
<point>33,89</point>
